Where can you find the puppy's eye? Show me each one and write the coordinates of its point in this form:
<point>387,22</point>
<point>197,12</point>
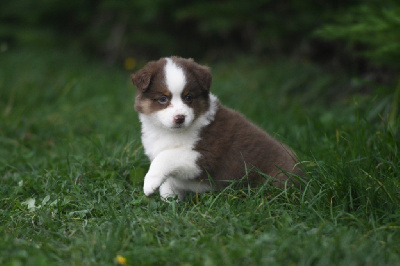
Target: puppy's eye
<point>188,98</point>
<point>163,99</point>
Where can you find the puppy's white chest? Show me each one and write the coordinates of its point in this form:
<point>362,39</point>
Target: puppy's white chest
<point>156,139</point>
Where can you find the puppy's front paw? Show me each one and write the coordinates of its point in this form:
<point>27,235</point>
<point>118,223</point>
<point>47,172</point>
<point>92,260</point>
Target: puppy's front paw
<point>149,188</point>
<point>151,184</point>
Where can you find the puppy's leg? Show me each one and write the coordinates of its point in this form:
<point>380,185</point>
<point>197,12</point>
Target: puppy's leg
<point>169,190</point>
<point>178,163</point>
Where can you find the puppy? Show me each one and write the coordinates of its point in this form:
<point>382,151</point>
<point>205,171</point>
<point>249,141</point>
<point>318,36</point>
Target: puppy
<point>193,142</point>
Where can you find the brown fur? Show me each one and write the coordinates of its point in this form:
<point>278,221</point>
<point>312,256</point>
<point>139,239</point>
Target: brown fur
<point>232,145</point>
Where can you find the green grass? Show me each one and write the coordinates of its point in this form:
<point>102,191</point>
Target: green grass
<point>72,167</point>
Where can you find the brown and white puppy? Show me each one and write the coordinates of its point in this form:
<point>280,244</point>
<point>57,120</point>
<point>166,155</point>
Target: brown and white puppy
<point>193,142</point>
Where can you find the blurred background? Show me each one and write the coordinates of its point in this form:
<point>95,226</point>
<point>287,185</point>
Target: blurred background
<point>355,35</point>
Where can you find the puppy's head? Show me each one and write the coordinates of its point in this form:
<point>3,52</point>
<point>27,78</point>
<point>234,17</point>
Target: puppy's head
<point>173,91</point>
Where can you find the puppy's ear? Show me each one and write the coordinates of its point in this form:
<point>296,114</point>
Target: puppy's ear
<point>203,76</point>
<point>142,78</point>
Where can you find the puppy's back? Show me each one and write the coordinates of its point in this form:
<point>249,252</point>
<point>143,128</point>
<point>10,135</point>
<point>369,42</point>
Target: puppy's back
<point>231,146</point>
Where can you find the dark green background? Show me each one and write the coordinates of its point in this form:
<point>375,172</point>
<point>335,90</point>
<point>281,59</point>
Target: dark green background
<point>329,32</point>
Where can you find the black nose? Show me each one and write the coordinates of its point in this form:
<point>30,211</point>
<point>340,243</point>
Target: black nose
<point>179,119</point>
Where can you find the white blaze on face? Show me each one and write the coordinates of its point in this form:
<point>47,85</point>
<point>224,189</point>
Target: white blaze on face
<point>174,77</point>
<point>175,80</point>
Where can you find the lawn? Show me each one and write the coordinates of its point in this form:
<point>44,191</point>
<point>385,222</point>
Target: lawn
<point>72,168</point>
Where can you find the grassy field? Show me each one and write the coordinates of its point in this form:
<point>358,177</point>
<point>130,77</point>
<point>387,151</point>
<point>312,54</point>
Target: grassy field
<point>72,167</point>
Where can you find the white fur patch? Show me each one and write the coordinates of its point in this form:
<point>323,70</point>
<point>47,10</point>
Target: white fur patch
<point>174,77</point>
